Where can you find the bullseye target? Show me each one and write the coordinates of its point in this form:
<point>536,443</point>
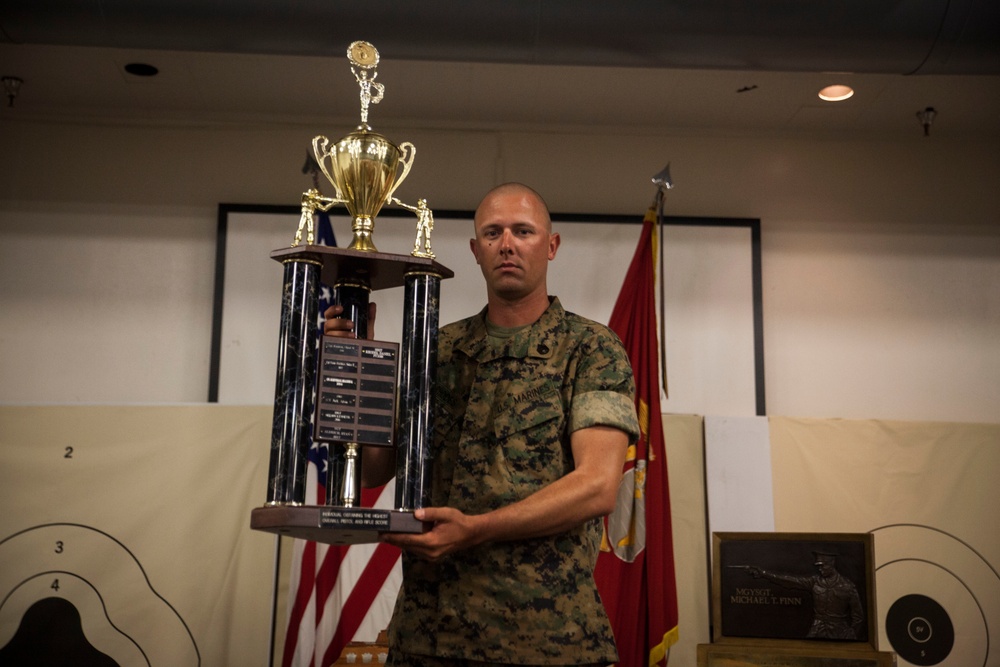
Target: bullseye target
<point>920,630</point>
<point>939,598</point>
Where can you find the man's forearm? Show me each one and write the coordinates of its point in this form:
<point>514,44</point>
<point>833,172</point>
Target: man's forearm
<point>588,492</point>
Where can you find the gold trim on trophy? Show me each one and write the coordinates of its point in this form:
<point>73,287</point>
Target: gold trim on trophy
<point>347,493</point>
<point>365,169</point>
<point>347,282</point>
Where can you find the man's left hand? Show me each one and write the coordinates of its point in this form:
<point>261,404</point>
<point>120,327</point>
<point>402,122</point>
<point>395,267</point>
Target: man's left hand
<point>451,530</point>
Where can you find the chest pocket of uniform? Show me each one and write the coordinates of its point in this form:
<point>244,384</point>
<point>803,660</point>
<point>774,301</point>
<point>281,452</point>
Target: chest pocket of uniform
<point>449,411</point>
<point>529,432</point>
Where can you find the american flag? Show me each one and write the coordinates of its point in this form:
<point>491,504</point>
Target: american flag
<point>337,594</point>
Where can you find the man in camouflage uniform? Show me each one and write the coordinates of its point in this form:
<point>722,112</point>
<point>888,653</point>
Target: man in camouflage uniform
<point>533,415</point>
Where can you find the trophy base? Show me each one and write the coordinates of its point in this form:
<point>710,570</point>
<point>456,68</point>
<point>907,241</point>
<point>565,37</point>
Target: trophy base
<point>334,525</point>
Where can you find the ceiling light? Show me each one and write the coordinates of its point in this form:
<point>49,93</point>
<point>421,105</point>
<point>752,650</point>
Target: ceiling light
<point>836,93</point>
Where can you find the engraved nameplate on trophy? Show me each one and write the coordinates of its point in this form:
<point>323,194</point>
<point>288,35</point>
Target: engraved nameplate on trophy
<point>357,391</point>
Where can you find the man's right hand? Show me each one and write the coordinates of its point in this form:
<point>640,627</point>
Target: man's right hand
<point>343,327</point>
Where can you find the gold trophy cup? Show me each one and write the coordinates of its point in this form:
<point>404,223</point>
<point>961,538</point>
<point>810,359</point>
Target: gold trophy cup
<point>365,172</point>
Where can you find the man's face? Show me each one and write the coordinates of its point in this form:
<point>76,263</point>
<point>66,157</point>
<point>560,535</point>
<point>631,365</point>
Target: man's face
<point>513,244</point>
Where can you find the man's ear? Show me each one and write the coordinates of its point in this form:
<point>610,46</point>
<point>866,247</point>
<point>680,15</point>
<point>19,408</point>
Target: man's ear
<point>553,246</point>
<point>474,249</point>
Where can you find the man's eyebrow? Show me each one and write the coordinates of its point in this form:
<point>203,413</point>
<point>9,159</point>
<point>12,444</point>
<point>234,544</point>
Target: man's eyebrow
<point>514,224</point>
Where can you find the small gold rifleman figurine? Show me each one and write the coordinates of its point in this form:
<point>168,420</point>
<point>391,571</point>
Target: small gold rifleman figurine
<point>311,201</point>
<point>425,225</point>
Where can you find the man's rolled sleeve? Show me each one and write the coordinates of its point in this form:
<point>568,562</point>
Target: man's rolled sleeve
<point>604,408</point>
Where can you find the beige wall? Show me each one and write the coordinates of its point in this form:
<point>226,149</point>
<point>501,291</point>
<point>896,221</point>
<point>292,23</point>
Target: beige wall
<point>881,276</point>
<point>880,258</point>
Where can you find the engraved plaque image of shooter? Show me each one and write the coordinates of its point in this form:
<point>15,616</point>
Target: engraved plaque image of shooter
<point>353,393</point>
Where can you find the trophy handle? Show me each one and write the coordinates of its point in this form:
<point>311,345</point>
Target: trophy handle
<point>321,152</point>
<point>409,152</point>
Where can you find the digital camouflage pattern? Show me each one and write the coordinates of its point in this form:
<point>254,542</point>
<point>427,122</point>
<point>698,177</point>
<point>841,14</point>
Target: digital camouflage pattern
<point>503,415</point>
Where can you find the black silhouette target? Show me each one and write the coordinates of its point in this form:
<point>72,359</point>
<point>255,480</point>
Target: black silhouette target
<point>60,582</point>
<point>920,630</point>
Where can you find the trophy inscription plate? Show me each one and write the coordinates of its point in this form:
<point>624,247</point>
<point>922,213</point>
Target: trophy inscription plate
<point>367,519</point>
<point>357,391</point>
<point>333,525</point>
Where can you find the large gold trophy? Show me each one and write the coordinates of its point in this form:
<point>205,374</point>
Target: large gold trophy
<point>341,391</point>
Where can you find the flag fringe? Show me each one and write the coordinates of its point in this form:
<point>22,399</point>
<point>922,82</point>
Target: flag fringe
<point>659,652</point>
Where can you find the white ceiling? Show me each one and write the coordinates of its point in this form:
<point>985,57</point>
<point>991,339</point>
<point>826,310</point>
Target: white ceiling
<point>89,84</point>
<point>663,66</point>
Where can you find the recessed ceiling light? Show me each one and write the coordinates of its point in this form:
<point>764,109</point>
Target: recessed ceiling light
<point>836,93</point>
<point>141,69</point>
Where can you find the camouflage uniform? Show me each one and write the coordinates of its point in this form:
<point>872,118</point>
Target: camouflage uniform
<point>503,418</point>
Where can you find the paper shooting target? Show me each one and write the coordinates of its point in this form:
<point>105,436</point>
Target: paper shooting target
<point>79,581</point>
<point>939,599</point>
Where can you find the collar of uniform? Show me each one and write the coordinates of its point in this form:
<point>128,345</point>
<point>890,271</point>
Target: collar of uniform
<point>534,341</point>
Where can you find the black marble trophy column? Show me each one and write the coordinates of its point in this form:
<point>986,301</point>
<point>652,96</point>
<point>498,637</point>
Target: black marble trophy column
<point>294,383</point>
<point>416,386</point>
<point>354,295</point>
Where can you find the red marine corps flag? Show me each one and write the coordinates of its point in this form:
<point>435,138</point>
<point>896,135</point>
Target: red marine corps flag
<point>635,570</point>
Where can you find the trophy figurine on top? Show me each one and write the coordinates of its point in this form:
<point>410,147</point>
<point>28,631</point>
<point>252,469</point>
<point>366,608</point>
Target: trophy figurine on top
<point>344,392</point>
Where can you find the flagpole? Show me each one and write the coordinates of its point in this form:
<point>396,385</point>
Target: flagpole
<point>663,300</point>
<point>663,182</point>
<point>274,599</point>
